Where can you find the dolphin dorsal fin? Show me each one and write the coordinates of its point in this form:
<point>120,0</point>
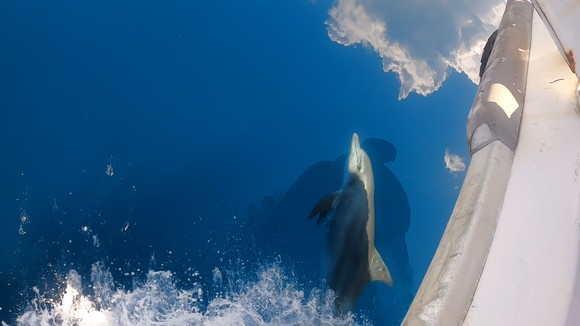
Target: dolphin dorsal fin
<point>378,269</point>
<point>325,205</point>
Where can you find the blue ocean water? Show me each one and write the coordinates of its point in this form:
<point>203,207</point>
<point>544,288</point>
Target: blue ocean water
<point>159,161</point>
<point>130,253</point>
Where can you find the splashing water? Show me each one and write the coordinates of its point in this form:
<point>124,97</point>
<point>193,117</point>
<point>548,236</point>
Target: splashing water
<point>272,299</point>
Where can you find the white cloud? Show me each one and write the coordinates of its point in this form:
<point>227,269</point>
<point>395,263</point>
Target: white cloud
<point>418,39</point>
<point>454,163</point>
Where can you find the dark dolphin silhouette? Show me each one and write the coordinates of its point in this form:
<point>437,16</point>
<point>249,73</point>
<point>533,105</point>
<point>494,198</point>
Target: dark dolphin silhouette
<point>276,222</point>
<point>349,215</point>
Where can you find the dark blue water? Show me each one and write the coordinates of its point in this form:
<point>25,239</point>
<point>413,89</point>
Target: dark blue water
<point>159,161</point>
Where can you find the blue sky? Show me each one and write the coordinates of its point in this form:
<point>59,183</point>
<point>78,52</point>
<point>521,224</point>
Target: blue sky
<point>249,93</point>
<point>419,41</point>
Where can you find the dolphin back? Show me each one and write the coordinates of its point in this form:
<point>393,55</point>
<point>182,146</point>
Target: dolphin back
<point>377,268</point>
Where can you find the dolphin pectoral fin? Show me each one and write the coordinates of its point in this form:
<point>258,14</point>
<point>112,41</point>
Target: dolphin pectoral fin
<point>324,206</point>
<point>321,217</point>
<point>378,269</point>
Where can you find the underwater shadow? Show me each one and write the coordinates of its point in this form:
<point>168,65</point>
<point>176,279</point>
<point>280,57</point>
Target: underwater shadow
<point>281,228</point>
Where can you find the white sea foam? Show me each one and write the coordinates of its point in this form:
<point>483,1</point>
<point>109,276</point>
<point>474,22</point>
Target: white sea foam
<point>271,298</point>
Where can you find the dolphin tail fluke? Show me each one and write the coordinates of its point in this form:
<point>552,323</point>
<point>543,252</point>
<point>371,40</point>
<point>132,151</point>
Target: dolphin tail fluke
<point>324,206</point>
<point>378,269</point>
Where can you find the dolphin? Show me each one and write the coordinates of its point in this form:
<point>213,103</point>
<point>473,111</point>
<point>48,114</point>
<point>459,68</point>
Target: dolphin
<point>349,216</point>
